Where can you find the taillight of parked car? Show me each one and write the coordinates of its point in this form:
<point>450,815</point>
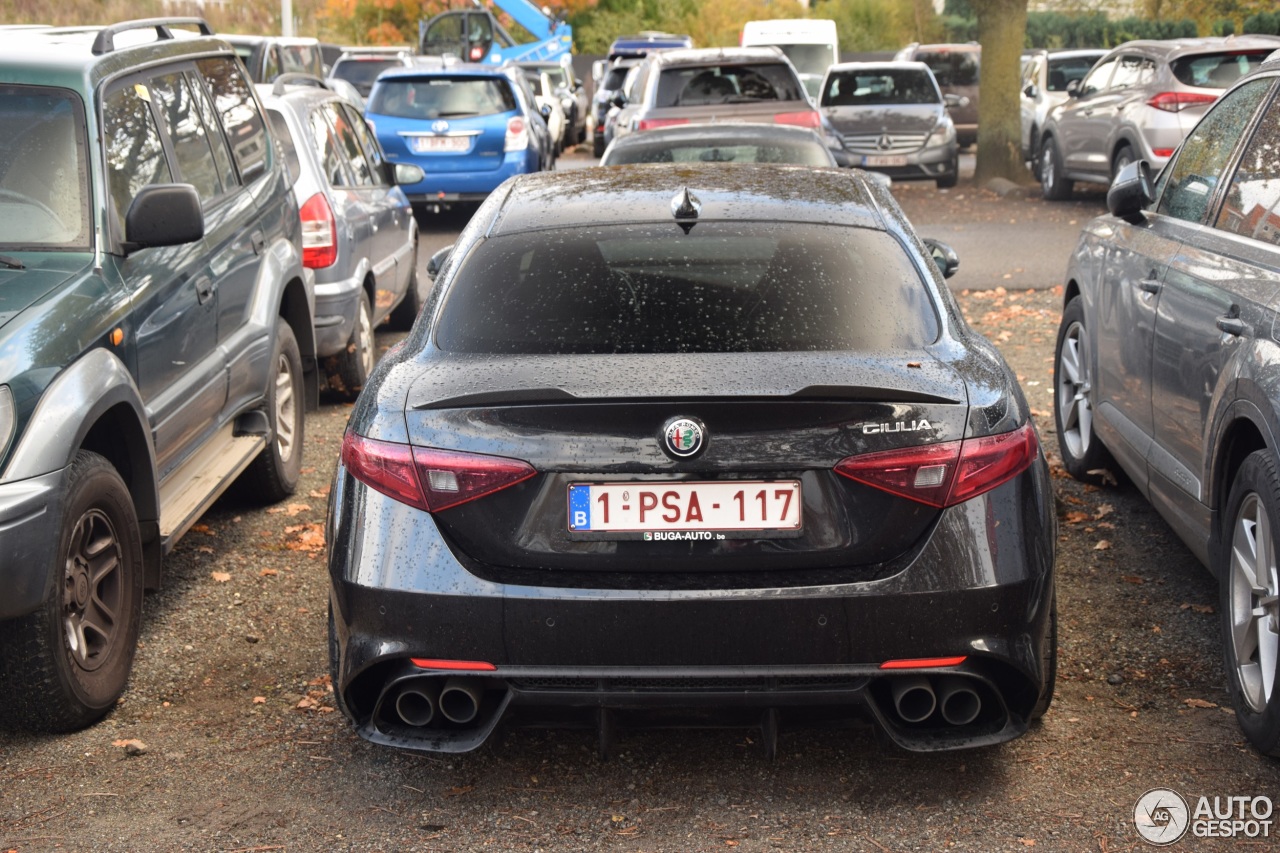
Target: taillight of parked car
<point>319,233</point>
<point>517,135</point>
<point>947,473</point>
<point>1175,102</point>
<point>805,118</point>
<point>427,478</point>
<point>655,123</point>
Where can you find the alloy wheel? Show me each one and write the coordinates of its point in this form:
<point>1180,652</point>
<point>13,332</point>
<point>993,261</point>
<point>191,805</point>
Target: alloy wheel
<point>1254,603</point>
<point>286,412</point>
<point>1074,384</point>
<point>92,591</point>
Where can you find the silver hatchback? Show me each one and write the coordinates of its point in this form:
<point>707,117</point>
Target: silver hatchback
<point>1139,102</point>
<point>359,236</point>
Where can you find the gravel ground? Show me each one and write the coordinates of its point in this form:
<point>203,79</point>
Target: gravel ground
<point>227,738</point>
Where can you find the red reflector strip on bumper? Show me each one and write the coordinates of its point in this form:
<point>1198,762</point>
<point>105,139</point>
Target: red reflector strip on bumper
<point>472,665</point>
<point>921,663</point>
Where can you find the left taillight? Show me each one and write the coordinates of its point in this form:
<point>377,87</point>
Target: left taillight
<point>807,118</point>
<point>319,233</point>
<point>1176,102</point>
<point>428,478</point>
<point>949,472</point>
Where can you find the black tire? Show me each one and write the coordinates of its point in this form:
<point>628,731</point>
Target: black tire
<point>949,180</point>
<point>1080,448</point>
<point>1249,605</point>
<point>352,366</point>
<point>1053,186</point>
<point>1124,156</point>
<point>273,476</point>
<point>64,666</point>
<point>597,146</point>
<point>1035,153</point>
<point>1048,662</point>
<point>403,315</point>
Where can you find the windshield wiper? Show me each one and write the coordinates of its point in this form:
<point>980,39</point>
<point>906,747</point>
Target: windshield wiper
<point>12,263</point>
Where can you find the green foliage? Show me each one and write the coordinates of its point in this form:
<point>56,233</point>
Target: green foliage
<point>1060,30</point>
<point>1267,23</point>
<point>866,25</point>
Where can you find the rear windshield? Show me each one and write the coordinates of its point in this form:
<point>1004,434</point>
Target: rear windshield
<point>723,287</point>
<point>952,68</point>
<point>727,84</point>
<point>362,72</point>
<point>724,150</point>
<point>1217,70</point>
<point>810,58</point>
<point>535,83</point>
<point>617,74</point>
<point>882,86</point>
<point>443,97</point>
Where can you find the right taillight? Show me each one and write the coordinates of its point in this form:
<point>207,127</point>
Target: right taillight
<point>319,233</point>
<point>1174,102</point>
<point>517,135</point>
<point>946,473</point>
<point>428,478</point>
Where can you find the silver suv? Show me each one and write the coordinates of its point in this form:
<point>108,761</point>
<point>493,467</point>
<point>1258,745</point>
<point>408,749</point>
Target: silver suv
<point>1139,102</point>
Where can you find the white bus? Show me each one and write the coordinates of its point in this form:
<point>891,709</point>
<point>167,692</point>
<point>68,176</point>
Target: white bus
<point>810,43</point>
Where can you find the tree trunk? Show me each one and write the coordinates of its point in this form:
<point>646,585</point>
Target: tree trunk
<point>1002,28</point>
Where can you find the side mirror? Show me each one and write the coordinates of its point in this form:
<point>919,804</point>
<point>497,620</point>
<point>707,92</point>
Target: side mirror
<point>1131,192</point>
<point>944,256</point>
<point>619,100</point>
<point>1073,89</point>
<point>163,215</point>
<point>959,101</point>
<point>577,83</point>
<point>437,261</point>
<point>1031,91</point>
<point>407,173</point>
<point>545,111</point>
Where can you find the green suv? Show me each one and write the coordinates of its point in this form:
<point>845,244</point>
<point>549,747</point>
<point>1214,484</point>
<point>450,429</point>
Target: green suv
<point>156,337</point>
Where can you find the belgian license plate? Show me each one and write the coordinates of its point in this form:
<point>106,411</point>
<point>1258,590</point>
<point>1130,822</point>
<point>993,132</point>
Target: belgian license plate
<point>440,144</point>
<point>676,511</point>
<point>885,160</point>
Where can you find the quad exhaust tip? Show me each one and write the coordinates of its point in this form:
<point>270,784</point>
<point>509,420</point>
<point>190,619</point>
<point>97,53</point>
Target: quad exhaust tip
<point>956,699</point>
<point>460,699</point>
<point>417,702</point>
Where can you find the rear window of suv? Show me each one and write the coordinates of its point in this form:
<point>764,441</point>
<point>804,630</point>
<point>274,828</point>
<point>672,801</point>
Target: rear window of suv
<point>443,97</point>
<point>685,86</point>
<point>1217,70</point>
<point>723,287</point>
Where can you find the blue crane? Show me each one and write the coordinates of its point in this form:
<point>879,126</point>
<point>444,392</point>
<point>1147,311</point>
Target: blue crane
<point>474,35</point>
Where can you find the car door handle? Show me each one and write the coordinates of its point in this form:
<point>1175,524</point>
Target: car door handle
<point>204,289</point>
<point>1231,325</point>
<point>1149,285</point>
<point>258,242</point>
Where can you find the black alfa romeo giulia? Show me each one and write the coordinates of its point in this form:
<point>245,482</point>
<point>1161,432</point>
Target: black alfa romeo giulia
<point>692,445</point>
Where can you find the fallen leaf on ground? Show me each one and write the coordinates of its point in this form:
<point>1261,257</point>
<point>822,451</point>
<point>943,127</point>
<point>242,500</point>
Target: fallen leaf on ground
<point>1134,579</point>
<point>266,573</point>
<point>132,746</point>
<point>220,577</point>
<point>1199,703</point>
<point>259,700</point>
<point>1075,517</point>
<point>319,493</point>
<point>1103,545</point>
<point>1198,608</point>
<point>1103,510</point>
<point>1103,474</point>
<point>307,537</point>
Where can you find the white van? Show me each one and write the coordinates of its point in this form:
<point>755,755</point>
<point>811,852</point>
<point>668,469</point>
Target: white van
<point>810,43</point>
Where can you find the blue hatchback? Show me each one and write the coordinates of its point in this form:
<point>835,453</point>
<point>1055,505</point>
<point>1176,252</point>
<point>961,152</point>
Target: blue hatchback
<point>468,127</point>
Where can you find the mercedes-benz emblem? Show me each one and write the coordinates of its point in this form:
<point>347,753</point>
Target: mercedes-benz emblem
<point>885,142</point>
<point>683,437</point>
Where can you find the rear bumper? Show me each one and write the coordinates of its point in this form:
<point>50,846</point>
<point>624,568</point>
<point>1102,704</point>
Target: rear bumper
<point>335,314</point>
<point>980,587</point>
<point>938,161</point>
<point>466,185</point>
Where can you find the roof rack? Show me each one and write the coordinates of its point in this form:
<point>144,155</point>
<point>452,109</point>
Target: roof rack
<point>298,78</point>
<point>106,40</point>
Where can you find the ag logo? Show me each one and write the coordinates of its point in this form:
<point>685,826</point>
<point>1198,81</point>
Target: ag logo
<point>1161,816</point>
<point>683,437</point>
